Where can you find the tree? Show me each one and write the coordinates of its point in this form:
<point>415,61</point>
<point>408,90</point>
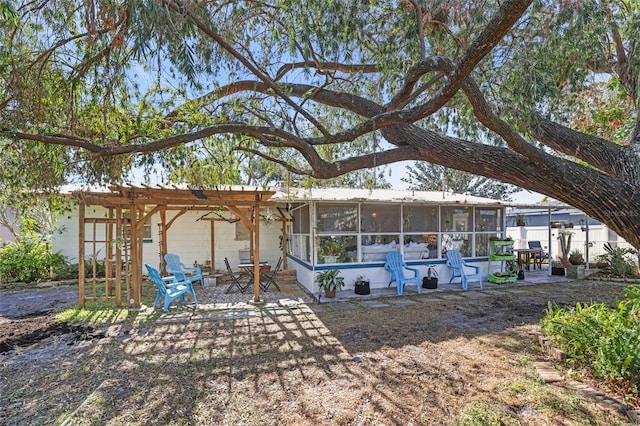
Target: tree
<point>491,89</point>
<point>431,177</point>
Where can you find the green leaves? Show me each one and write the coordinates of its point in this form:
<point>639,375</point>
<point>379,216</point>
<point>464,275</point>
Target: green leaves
<point>424,176</point>
<point>603,338</point>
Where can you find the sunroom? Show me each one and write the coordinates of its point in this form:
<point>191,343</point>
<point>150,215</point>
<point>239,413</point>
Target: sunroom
<point>352,230</point>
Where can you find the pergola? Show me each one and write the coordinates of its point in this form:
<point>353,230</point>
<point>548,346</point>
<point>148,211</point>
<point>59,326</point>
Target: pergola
<point>130,207</point>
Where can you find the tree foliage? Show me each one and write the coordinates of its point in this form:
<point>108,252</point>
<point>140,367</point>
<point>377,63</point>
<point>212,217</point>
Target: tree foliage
<point>432,177</point>
<point>503,89</point>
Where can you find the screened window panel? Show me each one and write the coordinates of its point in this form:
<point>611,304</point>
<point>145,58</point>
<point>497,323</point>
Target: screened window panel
<point>420,218</point>
<point>336,217</point>
<point>457,219</point>
<point>380,218</point>
<point>488,219</point>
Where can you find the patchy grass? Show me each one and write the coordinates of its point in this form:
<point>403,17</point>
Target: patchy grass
<point>440,362</point>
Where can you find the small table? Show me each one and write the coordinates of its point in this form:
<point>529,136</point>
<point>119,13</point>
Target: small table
<point>247,268</point>
<point>527,255</point>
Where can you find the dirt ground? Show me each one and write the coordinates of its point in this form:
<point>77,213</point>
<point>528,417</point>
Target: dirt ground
<point>462,358</point>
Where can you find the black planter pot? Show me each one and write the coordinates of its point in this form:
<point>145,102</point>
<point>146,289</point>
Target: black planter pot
<point>557,271</point>
<point>362,288</point>
<point>430,283</point>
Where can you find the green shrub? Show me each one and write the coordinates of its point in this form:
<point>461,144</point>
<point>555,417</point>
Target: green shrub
<point>603,338</point>
<point>27,260</point>
<point>619,259</point>
<point>68,271</point>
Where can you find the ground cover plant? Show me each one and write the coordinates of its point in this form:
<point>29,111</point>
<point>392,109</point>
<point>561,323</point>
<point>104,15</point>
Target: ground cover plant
<point>457,359</point>
<point>601,338</point>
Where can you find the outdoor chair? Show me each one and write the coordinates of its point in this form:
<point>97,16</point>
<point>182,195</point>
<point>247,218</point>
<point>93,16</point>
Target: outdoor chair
<point>454,261</point>
<point>169,289</point>
<point>236,279</point>
<point>396,265</point>
<point>182,273</point>
<point>269,278</point>
<point>535,245</point>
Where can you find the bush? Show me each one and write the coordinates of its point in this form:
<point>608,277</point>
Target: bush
<point>27,260</point>
<point>68,271</point>
<point>619,259</point>
<point>600,337</point>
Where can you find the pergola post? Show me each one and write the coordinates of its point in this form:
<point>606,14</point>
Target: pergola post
<point>256,260</point>
<point>135,267</point>
<point>212,227</point>
<point>81,237</point>
<point>118,260</point>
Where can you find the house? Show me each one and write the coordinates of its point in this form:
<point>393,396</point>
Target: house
<point>352,229</point>
<point>313,229</point>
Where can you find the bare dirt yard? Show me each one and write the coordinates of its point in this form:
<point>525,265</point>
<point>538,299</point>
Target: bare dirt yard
<point>440,358</point>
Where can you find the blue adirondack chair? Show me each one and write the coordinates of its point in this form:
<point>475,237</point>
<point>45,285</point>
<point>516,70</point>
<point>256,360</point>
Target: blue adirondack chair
<point>454,261</point>
<point>396,265</point>
<point>176,268</point>
<point>169,289</point>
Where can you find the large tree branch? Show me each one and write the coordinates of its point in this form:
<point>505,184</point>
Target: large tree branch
<point>613,159</point>
<point>500,24</point>
<point>158,145</point>
<point>561,179</point>
<point>328,170</point>
<point>182,8</point>
<point>484,113</point>
<point>326,66</point>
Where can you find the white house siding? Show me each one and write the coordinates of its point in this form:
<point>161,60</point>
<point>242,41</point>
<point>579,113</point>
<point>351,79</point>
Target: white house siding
<point>378,277</point>
<point>187,237</point>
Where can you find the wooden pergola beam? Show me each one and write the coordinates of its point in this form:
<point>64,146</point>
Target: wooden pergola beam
<point>245,204</point>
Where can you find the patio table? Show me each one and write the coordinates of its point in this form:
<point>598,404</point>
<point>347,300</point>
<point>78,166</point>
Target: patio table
<point>527,255</point>
<point>248,268</point>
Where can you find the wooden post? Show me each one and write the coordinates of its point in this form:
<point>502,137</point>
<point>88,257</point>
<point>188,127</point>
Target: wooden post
<point>213,246</point>
<point>81,212</point>
<point>135,268</point>
<point>118,260</point>
<point>256,251</point>
<point>284,244</point>
<point>108,263</point>
<point>163,238</point>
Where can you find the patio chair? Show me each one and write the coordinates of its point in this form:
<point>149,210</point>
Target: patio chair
<point>535,245</point>
<point>269,278</point>
<point>169,289</point>
<point>182,273</point>
<point>454,261</point>
<point>396,265</point>
<point>235,278</point>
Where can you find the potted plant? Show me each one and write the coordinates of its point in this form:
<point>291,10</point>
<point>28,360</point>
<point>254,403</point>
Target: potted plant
<point>362,285</point>
<point>431,280</point>
<point>518,270</point>
<point>557,268</point>
<point>331,250</point>
<point>330,281</point>
<point>565,246</point>
<point>576,269</point>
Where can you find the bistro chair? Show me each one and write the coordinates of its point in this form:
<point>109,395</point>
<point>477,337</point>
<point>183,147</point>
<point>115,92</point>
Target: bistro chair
<point>235,278</point>
<point>169,289</point>
<point>268,279</point>
<point>396,265</point>
<point>460,269</point>
<point>176,267</point>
